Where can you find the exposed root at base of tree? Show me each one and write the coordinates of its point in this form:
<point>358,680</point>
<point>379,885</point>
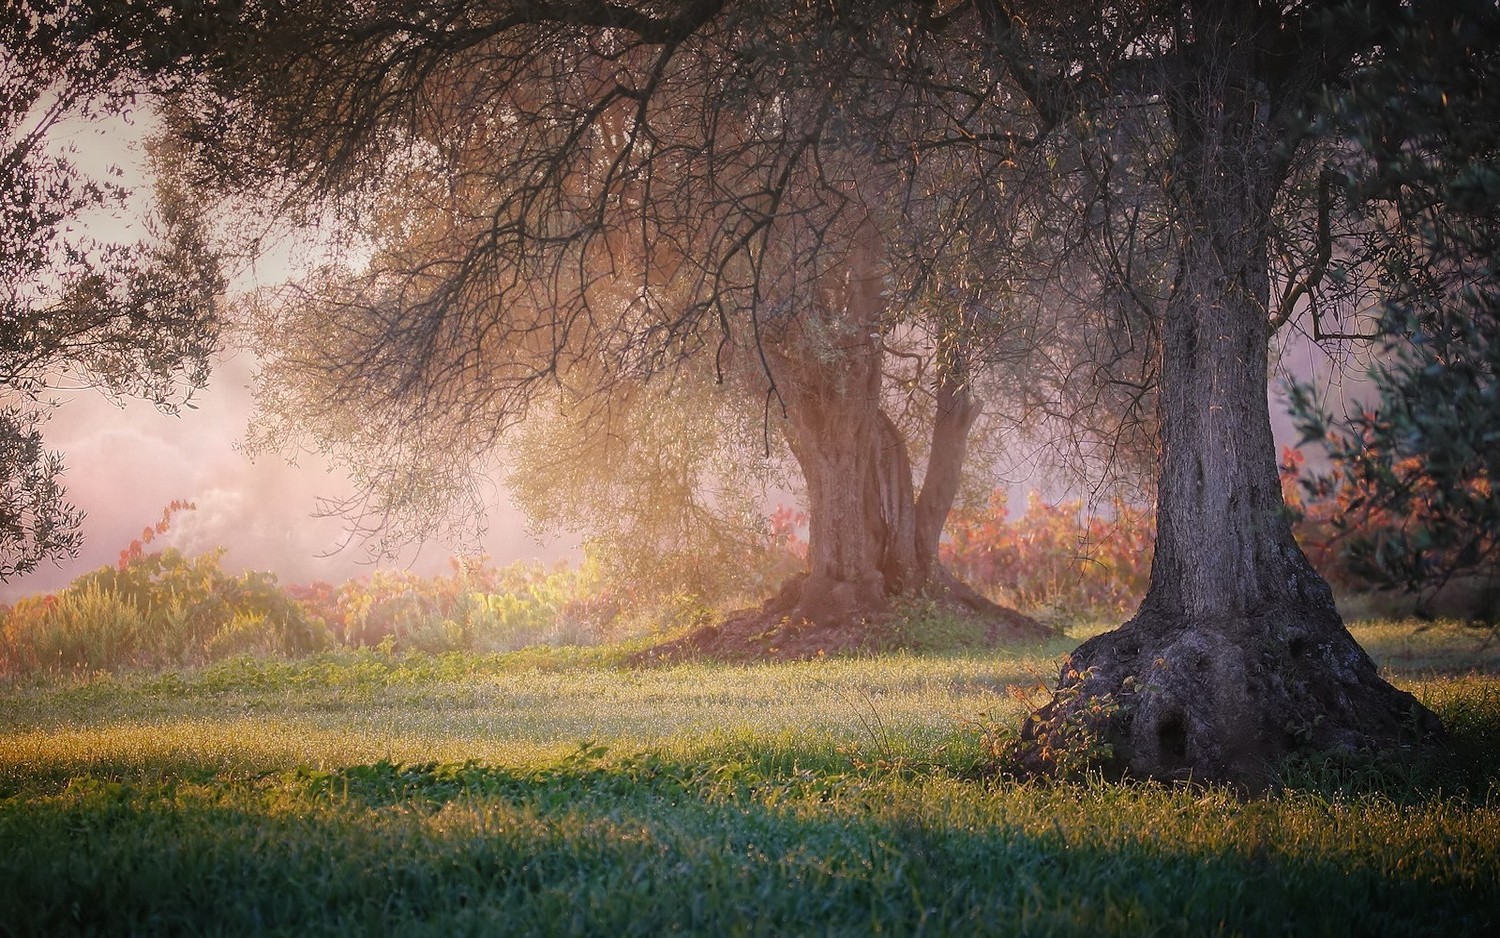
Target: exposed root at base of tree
<point>807,619</point>
<point>1222,702</point>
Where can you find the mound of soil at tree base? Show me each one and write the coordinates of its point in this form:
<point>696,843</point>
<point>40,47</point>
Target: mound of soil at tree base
<point>777,632</point>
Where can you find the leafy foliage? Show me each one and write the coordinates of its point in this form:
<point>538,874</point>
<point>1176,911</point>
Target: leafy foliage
<point>1418,466</point>
<point>36,520</point>
<point>1054,556</point>
<point>665,485</point>
<point>159,608</point>
<point>1377,521</point>
<point>76,311</point>
<point>1055,740</point>
<point>477,607</point>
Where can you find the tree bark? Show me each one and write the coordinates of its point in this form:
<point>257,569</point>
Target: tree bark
<point>956,412</point>
<point>871,537</point>
<point>1237,657</point>
<point>851,461</point>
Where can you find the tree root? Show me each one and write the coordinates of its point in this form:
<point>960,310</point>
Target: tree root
<point>1222,702</point>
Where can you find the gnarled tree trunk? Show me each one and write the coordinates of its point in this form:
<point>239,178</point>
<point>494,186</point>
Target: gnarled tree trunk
<point>1237,657</point>
<point>871,536</point>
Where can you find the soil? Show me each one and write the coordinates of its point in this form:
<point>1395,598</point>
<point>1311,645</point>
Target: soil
<point>775,632</point>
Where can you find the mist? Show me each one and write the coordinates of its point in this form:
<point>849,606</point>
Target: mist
<point>127,460</point>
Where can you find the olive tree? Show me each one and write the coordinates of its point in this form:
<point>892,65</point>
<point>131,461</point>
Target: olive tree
<point>1237,656</point>
<point>581,197</point>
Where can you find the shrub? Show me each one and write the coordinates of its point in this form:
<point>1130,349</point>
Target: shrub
<point>1374,521</point>
<point>89,628</point>
<point>477,607</point>
<point>919,624</point>
<point>154,610</point>
<point>1054,557</point>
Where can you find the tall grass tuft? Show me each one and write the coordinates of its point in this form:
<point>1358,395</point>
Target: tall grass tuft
<point>86,629</point>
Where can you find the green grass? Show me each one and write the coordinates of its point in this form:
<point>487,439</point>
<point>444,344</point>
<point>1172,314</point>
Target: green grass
<point>556,791</point>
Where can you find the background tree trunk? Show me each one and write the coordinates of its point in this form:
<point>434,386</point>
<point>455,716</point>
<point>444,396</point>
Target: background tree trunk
<point>956,412</point>
<point>847,452</point>
<point>1237,657</point>
<point>871,539</point>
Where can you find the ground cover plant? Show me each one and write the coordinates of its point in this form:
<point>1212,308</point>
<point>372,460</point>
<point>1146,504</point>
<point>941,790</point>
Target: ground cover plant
<point>555,790</point>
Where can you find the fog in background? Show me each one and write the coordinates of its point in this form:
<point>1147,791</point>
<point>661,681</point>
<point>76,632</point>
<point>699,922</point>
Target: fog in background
<point>125,464</point>
<point>127,461</point>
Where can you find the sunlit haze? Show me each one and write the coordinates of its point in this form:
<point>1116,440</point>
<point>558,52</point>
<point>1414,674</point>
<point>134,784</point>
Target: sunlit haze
<point>126,460</point>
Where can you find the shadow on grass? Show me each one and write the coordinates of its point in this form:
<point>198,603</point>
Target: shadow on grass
<point>750,841</point>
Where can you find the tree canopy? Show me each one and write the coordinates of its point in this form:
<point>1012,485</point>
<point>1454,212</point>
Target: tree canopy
<point>1422,458</point>
<point>574,199</point>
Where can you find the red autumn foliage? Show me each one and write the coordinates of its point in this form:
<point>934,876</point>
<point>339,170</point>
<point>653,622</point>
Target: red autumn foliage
<point>1053,556</point>
<point>1370,523</point>
<point>136,549</point>
<point>785,532</point>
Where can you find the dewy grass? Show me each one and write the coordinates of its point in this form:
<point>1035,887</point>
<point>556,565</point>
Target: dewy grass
<point>359,793</point>
<point>1414,647</point>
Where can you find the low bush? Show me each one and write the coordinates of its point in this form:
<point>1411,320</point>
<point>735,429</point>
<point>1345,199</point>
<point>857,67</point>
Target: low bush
<point>476,607</point>
<point>1056,560</point>
<point>156,610</point>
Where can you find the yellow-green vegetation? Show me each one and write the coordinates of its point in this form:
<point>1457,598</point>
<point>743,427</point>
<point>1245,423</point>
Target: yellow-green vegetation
<point>557,790</point>
<point>158,610</point>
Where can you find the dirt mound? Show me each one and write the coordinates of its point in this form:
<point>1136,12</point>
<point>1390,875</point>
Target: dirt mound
<point>765,634</point>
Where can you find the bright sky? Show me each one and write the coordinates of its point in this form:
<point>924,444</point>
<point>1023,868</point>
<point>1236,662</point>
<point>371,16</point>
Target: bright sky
<point>126,463</point>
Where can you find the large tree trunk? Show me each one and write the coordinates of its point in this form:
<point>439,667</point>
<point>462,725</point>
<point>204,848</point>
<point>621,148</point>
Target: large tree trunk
<point>871,538</point>
<point>1237,657</point>
<point>852,462</point>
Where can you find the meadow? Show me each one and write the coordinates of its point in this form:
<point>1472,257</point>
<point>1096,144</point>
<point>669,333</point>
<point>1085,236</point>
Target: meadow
<point>559,790</point>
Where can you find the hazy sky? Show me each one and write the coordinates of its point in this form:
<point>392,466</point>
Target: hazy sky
<point>126,463</point>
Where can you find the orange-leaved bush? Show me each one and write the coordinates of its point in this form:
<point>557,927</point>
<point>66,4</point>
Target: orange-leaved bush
<point>1055,556</point>
<point>1378,521</point>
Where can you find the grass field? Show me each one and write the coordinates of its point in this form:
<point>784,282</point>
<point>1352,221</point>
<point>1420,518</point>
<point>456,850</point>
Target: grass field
<point>555,791</point>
